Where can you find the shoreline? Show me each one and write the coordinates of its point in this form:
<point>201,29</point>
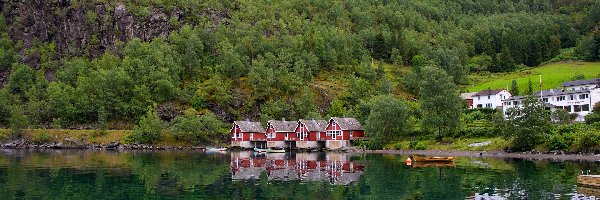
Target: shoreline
<point>493,154</point>
<point>457,153</point>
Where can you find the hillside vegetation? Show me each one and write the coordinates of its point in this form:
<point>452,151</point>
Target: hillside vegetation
<point>154,65</point>
<point>553,75</point>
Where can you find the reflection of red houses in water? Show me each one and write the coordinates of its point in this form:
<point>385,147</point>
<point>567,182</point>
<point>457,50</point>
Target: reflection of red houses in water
<point>335,168</point>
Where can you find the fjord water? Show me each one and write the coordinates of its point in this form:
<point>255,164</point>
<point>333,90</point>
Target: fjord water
<point>64,174</point>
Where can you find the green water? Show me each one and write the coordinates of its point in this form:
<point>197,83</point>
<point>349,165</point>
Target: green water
<point>245,175</point>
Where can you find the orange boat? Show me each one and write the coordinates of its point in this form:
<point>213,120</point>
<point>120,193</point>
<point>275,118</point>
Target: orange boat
<point>433,159</point>
<point>433,164</point>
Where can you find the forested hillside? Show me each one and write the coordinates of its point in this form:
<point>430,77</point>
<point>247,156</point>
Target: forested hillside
<point>82,63</point>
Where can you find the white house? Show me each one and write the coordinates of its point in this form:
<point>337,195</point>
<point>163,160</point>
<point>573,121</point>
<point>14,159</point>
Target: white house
<point>490,98</point>
<point>577,97</point>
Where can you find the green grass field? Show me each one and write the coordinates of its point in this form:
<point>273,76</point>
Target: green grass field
<point>552,76</point>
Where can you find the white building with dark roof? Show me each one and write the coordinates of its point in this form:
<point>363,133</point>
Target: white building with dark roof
<point>577,97</point>
<point>490,98</point>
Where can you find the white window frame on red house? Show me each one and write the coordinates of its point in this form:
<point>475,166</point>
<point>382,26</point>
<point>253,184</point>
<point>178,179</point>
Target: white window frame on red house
<point>236,135</point>
<point>334,134</point>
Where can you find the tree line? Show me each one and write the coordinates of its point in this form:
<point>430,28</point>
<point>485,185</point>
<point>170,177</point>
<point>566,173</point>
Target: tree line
<point>302,59</point>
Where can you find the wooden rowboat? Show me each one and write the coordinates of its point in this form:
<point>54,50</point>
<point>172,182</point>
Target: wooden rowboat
<point>433,164</point>
<point>433,159</point>
<point>216,149</point>
<point>260,150</point>
<point>276,151</point>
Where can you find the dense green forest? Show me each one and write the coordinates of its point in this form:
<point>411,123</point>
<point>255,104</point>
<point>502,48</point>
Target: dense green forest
<point>110,63</point>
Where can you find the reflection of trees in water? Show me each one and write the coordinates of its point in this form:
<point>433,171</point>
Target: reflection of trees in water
<point>150,175</point>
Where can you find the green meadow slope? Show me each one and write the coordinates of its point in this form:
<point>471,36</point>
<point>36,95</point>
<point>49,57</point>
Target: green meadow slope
<point>552,76</point>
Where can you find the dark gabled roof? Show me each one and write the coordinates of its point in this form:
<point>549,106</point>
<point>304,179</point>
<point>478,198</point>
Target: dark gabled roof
<point>560,92</point>
<point>283,126</point>
<point>514,98</point>
<point>580,82</point>
<point>550,93</point>
<point>248,126</point>
<point>348,123</point>
<point>488,92</point>
<point>314,125</point>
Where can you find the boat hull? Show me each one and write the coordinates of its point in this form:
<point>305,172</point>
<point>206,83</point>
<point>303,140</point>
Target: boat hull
<point>260,150</point>
<point>216,149</point>
<point>432,159</point>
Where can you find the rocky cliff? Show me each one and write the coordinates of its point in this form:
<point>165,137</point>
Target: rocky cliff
<point>86,29</point>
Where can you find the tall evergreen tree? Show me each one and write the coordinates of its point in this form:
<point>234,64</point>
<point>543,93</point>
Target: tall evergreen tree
<point>529,87</point>
<point>514,89</point>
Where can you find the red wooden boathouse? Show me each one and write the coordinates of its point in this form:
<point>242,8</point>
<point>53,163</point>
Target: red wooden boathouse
<point>310,133</point>
<point>247,134</point>
<point>281,133</point>
<point>340,131</point>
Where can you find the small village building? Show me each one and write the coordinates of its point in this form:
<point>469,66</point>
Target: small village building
<point>340,132</point>
<point>247,134</point>
<point>576,97</point>
<point>310,134</point>
<point>468,97</point>
<point>281,134</point>
<point>490,98</point>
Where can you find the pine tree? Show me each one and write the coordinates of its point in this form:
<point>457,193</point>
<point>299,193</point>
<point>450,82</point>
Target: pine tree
<point>529,87</point>
<point>514,89</point>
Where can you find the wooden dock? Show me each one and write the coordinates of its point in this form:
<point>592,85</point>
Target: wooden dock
<point>589,180</point>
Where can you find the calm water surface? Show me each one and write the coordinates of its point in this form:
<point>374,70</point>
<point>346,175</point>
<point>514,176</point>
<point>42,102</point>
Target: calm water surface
<point>246,175</point>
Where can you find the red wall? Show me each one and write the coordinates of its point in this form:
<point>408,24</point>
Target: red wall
<point>358,134</point>
<point>260,136</point>
<point>345,135</point>
<point>278,137</point>
<point>312,136</point>
<point>291,136</point>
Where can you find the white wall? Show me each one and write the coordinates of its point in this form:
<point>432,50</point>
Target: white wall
<point>494,100</point>
<point>593,98</point>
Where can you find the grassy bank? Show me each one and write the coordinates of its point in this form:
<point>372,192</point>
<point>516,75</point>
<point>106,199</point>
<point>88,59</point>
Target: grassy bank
<point>552,76</point>
<point>94,137</point>
<point>495,144</point>
<point>57,135</point>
